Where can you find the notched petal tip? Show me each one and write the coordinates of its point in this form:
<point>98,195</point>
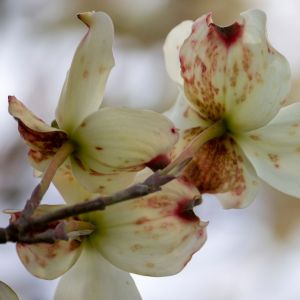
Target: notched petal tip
<point>228,34</point>
<point>90,17</point>
<point>86,17</point>
<point>11,98</point>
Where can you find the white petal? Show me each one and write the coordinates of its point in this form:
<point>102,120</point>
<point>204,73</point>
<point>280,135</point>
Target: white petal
<point>172,46</point>
<point>49,261</point>
<point>94,278</point>
<point>69,187</point>
<point>84,86</point>
<point>155,235</point>
<point>96,182</point>
<point>115,140</point>
<point>274,150</point>
<point>183,115</point>
<point>228,72</point>
<point>263,81</point>
<point>6,293</point>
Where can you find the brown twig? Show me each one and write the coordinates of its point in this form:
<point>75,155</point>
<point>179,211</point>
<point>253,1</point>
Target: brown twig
<point>39,191</point>
<point>22,231</point>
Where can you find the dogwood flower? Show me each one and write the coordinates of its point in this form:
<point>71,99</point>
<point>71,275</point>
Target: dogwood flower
<point>235,84</point>
<point>106,146</point>
<point>155,235</point>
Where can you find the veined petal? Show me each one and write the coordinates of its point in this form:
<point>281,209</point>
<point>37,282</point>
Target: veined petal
<point>94,278</point>
<point>185,138</point>
<point>171,49</point>
<point>220,167</point>
<point>154,235</point>
<point>84,86</point>
<point>120,139</point>
<point>49,261</point>
<point>230,71</point>
<point>183,115</point>
<point>274,150</point>
<point>263,77</point>
<point>39,136</point>
<point>97,182</point>
<point>69,187</point>
<point>241,195</point>
<point>6,293</point>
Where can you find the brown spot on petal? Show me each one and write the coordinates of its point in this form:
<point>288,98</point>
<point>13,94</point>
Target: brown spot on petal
<point>255,137</point>
<point>274,159</point>
<point>79,163</point>
<point>98,148</point>
<point>49,141</point>
<point>159,201</point>
<point>142,220</point>
<point>150,265</point>
<point>39,156</point>
<point>136,247</point>
<point>95,173</point>
<point>85,74</point>
<point>216,167</point>
<point>73,245</point>
<point>100,189</point>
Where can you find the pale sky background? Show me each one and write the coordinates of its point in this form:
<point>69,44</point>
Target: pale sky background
<point>250,254</point>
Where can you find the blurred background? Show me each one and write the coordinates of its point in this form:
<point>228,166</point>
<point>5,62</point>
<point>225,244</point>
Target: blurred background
<point>250,254</point>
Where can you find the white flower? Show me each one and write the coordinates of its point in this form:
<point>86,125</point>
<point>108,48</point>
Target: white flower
<point>109,144</point>
<point>155,235</point>
<point>231,76</point>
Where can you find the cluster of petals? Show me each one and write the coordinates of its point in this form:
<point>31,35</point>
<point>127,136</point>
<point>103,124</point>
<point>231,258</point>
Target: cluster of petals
<point>155,235</point>
<point>110,144</point>
<point>234,77</point>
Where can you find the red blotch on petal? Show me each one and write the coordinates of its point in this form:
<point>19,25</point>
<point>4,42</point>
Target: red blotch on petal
<point>158,162</point>
<point>185,212</point>
<point>229,34</point>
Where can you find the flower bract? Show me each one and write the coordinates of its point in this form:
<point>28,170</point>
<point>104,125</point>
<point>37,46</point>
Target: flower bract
<point>109,144</point>
<point>155,235</point>
<point>233,77</point>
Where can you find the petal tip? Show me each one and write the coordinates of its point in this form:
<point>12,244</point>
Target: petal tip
<point>11,99</point>
<point>86,17</point>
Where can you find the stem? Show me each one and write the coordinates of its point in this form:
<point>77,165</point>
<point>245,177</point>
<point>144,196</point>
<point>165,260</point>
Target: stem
<point>40,190</point>
<point>21,232</point>
<point>60,156</point>
<point>215,130</point>
<point>150,185</point>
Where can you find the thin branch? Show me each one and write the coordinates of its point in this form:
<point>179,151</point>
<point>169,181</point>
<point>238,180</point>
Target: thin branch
<point>40,190</point>
<point>150,185</point>
<point>22,232</point>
